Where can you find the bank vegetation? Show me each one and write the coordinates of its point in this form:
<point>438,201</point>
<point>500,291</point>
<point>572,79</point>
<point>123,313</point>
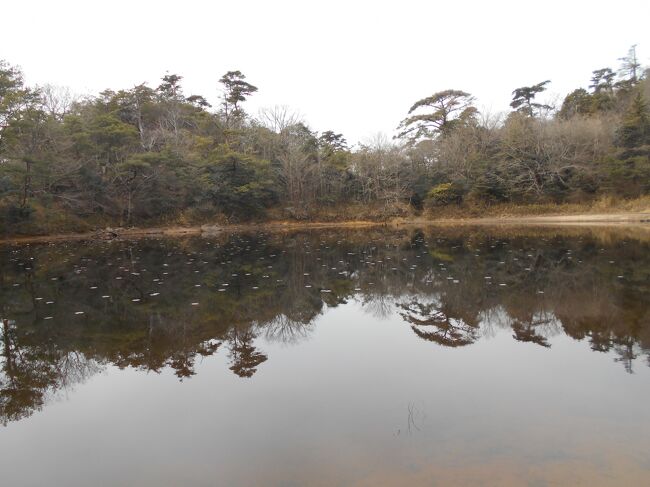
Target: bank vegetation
<point>156,155</point>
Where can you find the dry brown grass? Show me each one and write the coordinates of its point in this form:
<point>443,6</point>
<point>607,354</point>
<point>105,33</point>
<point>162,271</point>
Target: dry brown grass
<point>604,211</point>
<point>602,205</point>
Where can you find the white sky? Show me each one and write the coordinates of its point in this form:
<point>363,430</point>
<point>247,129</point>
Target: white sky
<point>350,66</point>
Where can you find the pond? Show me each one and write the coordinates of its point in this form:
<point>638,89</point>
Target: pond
<point>434,356</point>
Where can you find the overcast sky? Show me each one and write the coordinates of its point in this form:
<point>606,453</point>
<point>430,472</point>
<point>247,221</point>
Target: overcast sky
<point>349,66</point>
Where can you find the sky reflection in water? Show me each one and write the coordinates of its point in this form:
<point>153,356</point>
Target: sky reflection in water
<point>328,358</point>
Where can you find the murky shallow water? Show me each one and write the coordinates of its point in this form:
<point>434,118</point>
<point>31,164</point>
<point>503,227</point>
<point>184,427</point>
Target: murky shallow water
<point>434,357</point>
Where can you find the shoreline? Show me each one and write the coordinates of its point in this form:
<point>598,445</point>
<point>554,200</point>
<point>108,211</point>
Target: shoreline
<point>583,219</point>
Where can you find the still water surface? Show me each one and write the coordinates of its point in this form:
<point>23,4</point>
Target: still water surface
<point>348,358</point>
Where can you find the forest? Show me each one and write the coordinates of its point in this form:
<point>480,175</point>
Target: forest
<point>157,155</point>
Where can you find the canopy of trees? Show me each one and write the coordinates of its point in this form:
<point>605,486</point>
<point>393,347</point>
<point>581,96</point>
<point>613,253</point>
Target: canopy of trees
<point>155,155</point>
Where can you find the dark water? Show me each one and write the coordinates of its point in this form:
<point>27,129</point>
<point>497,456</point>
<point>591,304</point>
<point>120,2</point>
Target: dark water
<point>364,358</point>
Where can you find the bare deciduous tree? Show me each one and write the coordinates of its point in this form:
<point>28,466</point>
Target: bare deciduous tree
<point>57,100</point>
<point>278,118</point>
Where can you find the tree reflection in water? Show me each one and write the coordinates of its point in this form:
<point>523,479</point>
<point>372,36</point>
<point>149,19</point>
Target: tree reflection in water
<point>431,323</point>
<point>68,310</point>
<point>244,357</point>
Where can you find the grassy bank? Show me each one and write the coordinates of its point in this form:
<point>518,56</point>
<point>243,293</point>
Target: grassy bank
<point>48,225</point>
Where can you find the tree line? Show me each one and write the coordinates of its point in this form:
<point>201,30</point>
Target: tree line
<point>157,154</point>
